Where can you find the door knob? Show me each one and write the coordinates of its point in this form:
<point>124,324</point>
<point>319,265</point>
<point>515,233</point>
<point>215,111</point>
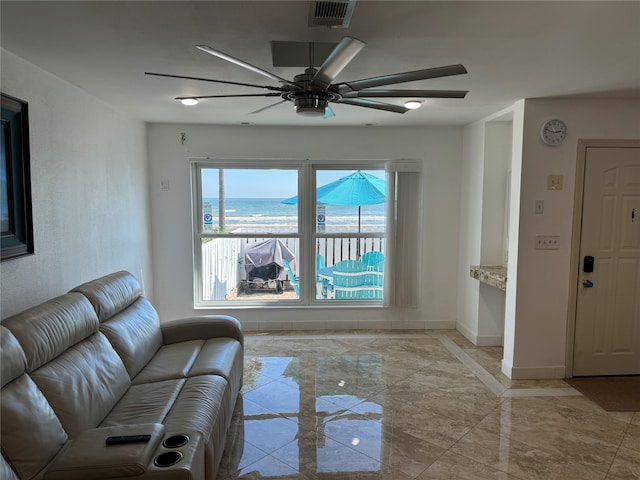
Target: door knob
<point>587,284</point>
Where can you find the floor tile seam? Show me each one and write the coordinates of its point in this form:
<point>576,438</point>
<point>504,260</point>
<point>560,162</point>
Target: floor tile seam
<point>546,448</point>
<point>266,454</point>
<point>350,447</point>
<point>475,460</point>
<point>271,455</point>
<point>493,384</point>
<point>613,460</point>
<point>299,474</point>
<point>478,370</point>
<point>507,438</point>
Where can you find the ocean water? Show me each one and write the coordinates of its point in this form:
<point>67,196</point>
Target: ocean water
<point>255,213</point>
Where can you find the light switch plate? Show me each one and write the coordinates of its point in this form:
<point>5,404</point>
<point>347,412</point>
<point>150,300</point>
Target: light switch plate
<point>554,182</point>
<point>547,242</point>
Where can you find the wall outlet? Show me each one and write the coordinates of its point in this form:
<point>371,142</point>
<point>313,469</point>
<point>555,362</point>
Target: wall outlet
<point>547,242</point>
<point>554,182</point>
<point>165,186</point>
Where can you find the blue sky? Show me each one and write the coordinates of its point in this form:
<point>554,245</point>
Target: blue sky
<point>265,183</point>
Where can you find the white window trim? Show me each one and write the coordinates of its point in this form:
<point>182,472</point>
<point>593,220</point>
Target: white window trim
<point>403,229</point>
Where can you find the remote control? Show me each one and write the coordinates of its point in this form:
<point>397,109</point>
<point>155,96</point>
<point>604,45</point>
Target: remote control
<point>116,440</point>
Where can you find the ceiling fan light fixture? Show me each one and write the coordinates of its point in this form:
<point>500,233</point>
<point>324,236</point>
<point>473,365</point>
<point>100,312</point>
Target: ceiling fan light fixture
<point>413,104</point>
<point>189,101</point>
<point>310,104</point>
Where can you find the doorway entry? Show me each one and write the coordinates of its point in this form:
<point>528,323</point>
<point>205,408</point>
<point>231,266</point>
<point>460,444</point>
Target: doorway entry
<point>606,339</point>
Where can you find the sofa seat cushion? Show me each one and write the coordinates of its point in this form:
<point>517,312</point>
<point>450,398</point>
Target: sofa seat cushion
<point>170,362</point>
<point>216,356</point>
<point>221,356</point>
<point>145,403</point>
<point>181,405</point>
<point>200,406</point>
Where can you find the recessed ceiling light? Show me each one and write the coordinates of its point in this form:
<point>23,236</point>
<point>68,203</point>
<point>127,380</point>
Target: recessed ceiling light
<point>413,104</point>
<point>189,101</point>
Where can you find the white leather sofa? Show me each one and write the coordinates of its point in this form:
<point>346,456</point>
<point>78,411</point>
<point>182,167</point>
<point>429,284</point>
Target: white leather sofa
<point>97,362</point>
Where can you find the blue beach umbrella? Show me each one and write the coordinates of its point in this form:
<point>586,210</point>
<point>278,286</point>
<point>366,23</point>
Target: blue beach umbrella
<point>359,188</point>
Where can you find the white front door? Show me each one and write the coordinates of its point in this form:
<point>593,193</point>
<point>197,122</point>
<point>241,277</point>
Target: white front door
<point>607,332</point>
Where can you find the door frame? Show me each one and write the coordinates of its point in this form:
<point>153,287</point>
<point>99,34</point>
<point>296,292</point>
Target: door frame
<point>574,272</point>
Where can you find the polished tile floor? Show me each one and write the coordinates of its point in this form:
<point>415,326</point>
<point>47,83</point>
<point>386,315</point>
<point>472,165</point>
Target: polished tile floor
<point>401,406</point>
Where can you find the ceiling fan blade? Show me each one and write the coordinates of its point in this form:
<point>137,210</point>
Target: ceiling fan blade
<point>361,102</point>
<point>407,93</point>
<point>230,96</point>
<point>264,87</point>
<point>328,113</point>
<point>336,61</point>
<point>344,88</point>
<point>248,66</point>
<point>267,107</point>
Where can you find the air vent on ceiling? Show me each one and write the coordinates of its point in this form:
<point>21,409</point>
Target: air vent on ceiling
<point>335,14</point>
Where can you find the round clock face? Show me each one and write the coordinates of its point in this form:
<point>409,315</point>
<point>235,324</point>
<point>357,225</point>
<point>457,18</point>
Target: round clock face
<point>553,132</point>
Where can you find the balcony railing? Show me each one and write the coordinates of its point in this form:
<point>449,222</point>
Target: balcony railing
<point>223,269</point>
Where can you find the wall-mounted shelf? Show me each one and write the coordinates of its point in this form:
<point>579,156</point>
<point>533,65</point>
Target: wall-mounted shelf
<point>494,275</point>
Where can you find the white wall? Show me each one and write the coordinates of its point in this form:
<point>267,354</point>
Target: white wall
<point>439,148</point>
<point>470,228</point>
<point>89,188</point>
<point>486,162</point>
<point>542,285</point>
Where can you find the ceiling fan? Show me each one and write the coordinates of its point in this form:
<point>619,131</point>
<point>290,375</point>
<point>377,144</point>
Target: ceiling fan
<point>312,91</point>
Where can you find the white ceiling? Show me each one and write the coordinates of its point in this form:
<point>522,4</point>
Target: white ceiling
<point>512,50</point>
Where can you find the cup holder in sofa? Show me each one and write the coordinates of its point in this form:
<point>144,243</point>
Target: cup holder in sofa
<point>167,459</point>
<point>175,441</point>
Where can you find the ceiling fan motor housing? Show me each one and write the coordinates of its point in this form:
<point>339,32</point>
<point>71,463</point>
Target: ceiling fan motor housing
<point>310,101</point>
<point>310,104</point>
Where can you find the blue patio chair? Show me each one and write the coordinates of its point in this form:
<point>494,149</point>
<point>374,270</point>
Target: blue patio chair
<point>293,280</point>
<point>320,263</point>
<point>350,281</point>
<point>371,259</point>
<point>348,278</point>
<point>375,281</point>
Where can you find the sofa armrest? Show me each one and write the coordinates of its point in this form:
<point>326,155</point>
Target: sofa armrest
<point>202,327</point>
<point>88,457</point>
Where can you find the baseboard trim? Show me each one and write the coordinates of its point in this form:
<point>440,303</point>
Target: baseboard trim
<point>533,373</point>
<point>337,325</point>
<point>479,340</point>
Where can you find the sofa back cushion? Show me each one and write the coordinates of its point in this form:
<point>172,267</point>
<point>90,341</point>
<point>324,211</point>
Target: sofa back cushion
<point>72,364</point>
<point>12,361</point>
<point>127,319</point>
<point>49,329</point>
<point>84,383</point>
<point>31,433</point>
<point>135,334</point>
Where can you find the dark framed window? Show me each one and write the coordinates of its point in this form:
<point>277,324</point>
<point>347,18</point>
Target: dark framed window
<point>16,224</point>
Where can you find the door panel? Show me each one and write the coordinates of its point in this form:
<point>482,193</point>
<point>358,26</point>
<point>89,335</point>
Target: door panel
<point>607,334</point>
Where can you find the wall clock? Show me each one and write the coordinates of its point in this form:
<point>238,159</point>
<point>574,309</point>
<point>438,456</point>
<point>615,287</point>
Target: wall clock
<point>553,132</point>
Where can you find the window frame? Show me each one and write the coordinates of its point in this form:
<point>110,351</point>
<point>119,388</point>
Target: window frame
<point>307,233</point>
